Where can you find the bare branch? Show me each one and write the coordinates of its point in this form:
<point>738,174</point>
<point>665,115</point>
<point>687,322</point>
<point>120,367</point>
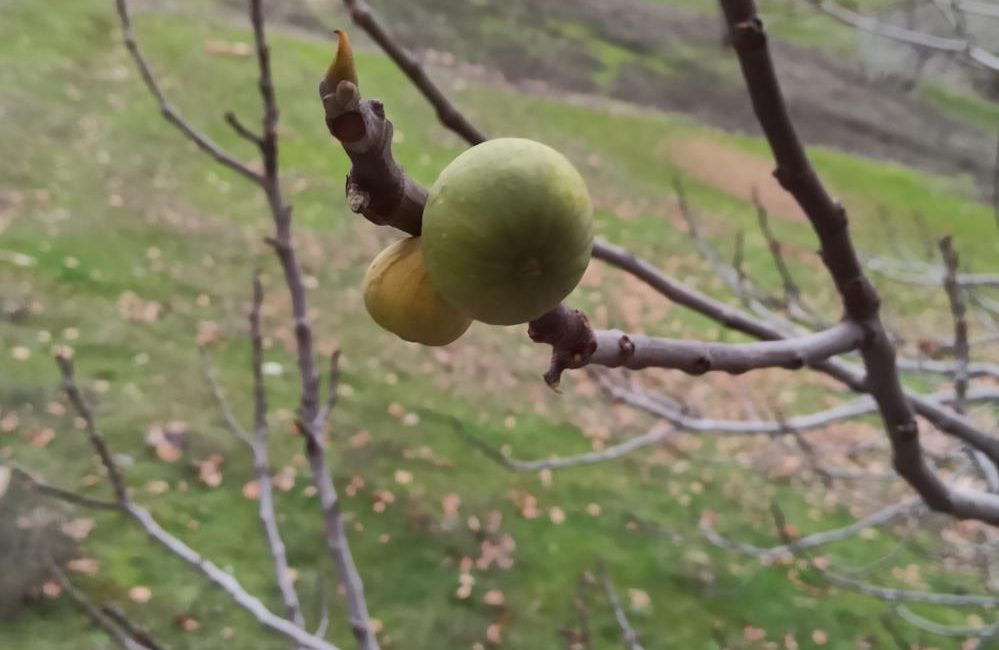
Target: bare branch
<point>308,410</point>
<point>211,378</point>
<point>940,629</point>
<point>261,466</point>
<point>157,533</point>
<point>857,408</point>
<point>956,46</point>
<point>65,363</point>
<point>242,130</point>
<point>575,345</point>
<point>628,634</point>
<point>169,113</point>
<point>961,352</point>
<point>977,8</point>
<point>62,494</point>
<point>748,295</point>
<point>860,299</point>
<point>226,581</point>
<point>129,627</point>
<point>120,636</point>
<point>796,306</point>
<point>308,404</point>
<point>579,637</point>
<point>447,113</point>
<point>927,275</point>
<point>331,389</point>
<point>972,369</point>
<point>881,517</point>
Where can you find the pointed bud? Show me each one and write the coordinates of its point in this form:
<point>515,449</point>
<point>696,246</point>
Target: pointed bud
<point>342,68</point>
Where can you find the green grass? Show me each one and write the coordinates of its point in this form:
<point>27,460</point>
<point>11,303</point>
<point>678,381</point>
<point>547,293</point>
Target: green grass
<point>111,200</point>
<point>963,107</point>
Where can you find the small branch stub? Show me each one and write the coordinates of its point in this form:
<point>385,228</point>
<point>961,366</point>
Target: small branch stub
<point>569,333</point>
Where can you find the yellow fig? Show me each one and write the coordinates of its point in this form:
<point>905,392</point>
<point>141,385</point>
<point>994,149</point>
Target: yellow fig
<point>400,298</point>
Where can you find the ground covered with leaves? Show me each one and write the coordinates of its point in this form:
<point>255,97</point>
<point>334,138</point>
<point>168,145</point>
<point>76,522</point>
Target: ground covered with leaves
<point>119,240</point>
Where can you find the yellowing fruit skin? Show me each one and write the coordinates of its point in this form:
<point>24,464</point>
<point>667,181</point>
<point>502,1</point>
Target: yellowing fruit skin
<point>401,299</point>
<point>507,230</point>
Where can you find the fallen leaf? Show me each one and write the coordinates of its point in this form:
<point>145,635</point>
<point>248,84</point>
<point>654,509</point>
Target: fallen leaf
<point>78,529</point>
<point>285,479</point>
<point>494,598</point>
<point>494,634</point>
<point>228,48</point>
<point>208,332</point>
<point>210,470</point>
<point>187,622</point>
<point>85,565</point>
<point>251,490</point>
<point>526,503</point>
<point>359,439</point>
<point>41,437</point>
<point>450,503</point>
<point>140,595</point>
<point>639,599</point>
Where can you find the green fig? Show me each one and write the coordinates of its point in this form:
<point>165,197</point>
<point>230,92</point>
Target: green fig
<point>507,230</point>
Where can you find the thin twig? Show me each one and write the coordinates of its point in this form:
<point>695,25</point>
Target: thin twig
<point>166,109</point>
<point>62,494</point>
<point>308,409</point>
<point>333,384</point>
<point>261,466</point>
<point>882,517</point>
<point>157,533</point>
<point>130,628</point>
<point>120,636</point>
<point>860,300</point>
<point>940,629</point>
<point>211,378</point>
<point>65,363</point>
<point>447,113</point>
<point>958,309</point>
<point>956,46</point>
<point>628,634</point>
<point>959,312</point>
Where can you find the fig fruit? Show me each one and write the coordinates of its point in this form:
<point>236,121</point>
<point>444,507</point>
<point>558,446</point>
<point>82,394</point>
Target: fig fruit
<point>400,297</point>
<point>507,230</point>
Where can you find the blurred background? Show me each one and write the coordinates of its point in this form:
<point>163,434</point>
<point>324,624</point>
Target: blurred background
<point>120,240</point>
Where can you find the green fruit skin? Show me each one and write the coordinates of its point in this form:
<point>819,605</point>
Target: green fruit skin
<point>401,299</point>
<point>507,230</point>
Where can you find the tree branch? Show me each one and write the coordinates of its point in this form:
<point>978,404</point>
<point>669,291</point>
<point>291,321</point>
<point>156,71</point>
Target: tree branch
<point>956,46</point>
<point>62,494</point>
<point>628,634</point>
<point>169,113</point>
<point>575,345</point>
<point>447,113</point>
<point>261,465</point>
<point>860,300</point>
<point>157,533</point>
<point>882,517</point>
<point>281,241</point>
<point>65,363</point>
<point>120,636</point>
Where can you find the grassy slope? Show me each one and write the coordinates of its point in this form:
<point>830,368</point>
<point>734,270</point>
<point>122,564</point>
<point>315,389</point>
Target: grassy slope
<point>113,201</point>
